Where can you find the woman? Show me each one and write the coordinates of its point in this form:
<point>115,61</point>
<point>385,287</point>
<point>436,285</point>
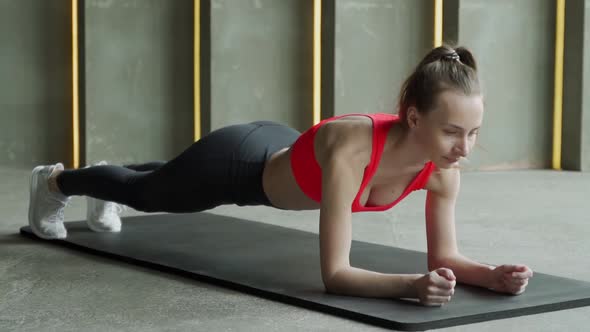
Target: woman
<point>345,164</point>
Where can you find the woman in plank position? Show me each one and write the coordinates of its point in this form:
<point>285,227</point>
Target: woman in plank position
<point>344,164</point>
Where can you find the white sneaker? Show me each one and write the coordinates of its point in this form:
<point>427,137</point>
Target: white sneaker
<point>46,208</point>
<point>103,216</point>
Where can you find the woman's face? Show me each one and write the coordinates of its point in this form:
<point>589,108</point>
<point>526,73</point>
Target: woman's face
<point>448,132</point>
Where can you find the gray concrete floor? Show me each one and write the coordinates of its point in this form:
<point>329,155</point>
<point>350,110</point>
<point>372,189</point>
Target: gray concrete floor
<point>539,218</point>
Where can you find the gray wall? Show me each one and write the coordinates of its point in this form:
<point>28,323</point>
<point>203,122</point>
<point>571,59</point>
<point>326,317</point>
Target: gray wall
<point>139,79</point>
<point>585,82</point>
<point>514,44</point>
<point>257,64</point>
<point>261,62</point>
<point>35,81</point>
<point>576,106</point>
<point>377,44</point>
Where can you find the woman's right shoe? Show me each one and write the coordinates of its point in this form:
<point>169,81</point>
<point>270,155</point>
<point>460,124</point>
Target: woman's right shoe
<point>103,216</point>
<point>46,208</point>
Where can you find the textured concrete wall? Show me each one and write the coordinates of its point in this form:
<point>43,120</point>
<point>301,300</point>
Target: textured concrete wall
<point>261,62</point>
<point>585,106</point>
<point>576,106</point>
<point>257,59</point>
<point>377,44</point>
<point>573,93</point>
<point>139,79</point>
<point>35,98</point>
<point>514,44</point>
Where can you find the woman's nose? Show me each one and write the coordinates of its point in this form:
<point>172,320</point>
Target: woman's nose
<point>462,147</point>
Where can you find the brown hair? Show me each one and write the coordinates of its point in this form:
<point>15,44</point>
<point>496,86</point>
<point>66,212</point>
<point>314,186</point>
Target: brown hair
<point>443,68</point>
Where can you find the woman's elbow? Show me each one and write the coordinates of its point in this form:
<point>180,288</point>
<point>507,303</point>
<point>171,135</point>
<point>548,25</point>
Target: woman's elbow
<point>332,282</point>
<point>327,280</point>
<point>330,285</point>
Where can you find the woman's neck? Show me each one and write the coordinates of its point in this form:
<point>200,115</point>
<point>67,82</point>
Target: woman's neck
<point>402,151</point>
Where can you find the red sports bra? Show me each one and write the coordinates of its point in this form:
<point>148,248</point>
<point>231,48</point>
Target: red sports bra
<point>308,174</point>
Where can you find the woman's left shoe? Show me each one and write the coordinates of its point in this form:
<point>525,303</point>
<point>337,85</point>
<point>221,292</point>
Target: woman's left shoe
<point>46,208</point>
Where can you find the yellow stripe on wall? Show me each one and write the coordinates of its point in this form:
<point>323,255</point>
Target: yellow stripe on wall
<point>75,92</point>
<point>197,73</point>
<point>317,60</point>
<point>558,86</point>
<point>438,22</point>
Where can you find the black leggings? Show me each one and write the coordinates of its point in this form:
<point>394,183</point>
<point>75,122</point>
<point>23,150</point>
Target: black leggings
<point>223,167</point>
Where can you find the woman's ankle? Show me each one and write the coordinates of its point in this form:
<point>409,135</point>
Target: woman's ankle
<point>52,181</point>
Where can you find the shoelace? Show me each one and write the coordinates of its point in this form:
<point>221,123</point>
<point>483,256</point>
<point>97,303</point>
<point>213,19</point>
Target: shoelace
<point>59,206</point>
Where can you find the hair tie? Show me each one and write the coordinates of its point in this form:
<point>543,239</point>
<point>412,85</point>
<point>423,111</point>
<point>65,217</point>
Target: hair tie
<point>452,56</point>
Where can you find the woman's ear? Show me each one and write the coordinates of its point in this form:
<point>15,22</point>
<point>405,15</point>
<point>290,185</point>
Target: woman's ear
<point>412,117</point>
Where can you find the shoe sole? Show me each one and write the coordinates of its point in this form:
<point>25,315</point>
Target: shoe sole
<point>103,230</point>
<point>32,203</point>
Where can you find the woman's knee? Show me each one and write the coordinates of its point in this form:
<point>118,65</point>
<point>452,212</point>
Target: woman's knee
<point>143,203</point>
<point>144,196</point>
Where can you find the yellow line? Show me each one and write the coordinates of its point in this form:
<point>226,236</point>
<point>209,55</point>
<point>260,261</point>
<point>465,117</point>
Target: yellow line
<point>438,22</point>
<point>197,73</point>
<point>317,60</point>
<point>75,92</point>
<point>558,86</point>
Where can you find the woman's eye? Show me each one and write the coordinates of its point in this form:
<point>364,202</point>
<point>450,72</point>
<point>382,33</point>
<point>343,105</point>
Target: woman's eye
<point>450,132</point>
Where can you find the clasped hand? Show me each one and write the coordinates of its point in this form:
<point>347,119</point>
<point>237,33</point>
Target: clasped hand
<point>511,279</point>
<point>437,287</point>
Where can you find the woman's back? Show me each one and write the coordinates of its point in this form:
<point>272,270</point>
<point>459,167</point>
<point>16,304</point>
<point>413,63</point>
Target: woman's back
<point>279,182</point>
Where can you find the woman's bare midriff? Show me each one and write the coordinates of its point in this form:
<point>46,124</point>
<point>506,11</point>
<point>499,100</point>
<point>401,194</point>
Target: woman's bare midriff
<point>280,186</point>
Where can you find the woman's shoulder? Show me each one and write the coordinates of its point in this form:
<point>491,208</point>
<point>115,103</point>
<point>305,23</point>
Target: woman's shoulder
<point>348,129</point>
<point>346,137</point>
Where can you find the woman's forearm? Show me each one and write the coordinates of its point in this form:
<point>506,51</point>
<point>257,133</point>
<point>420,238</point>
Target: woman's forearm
<point>358,282</point>
<point>467,271</point>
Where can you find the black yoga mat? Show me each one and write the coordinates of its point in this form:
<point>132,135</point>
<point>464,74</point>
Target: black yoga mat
<point>283,264</point>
